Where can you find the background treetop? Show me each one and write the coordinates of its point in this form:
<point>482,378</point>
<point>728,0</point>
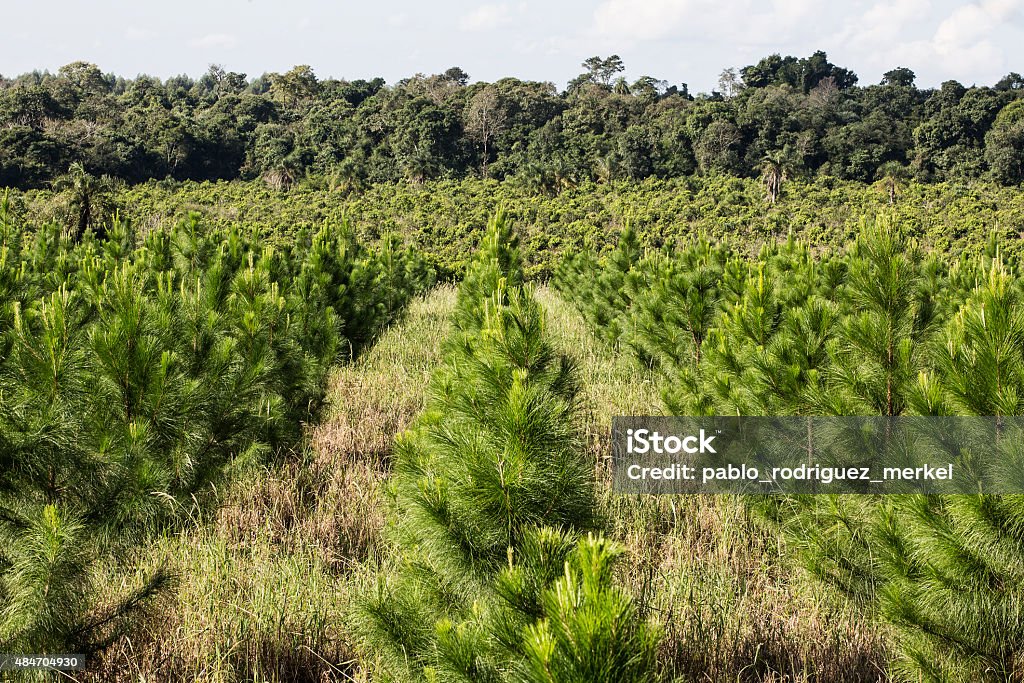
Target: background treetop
<point>813,115</point>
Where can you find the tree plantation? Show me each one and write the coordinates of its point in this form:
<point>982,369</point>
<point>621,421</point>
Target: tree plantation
<point>876,328</point>
<point>494,494</point>
<point>136,371</point>
<point>306,380</point>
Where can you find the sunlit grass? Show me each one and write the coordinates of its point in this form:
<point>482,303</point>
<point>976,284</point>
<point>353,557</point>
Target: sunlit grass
<point>732,604</point>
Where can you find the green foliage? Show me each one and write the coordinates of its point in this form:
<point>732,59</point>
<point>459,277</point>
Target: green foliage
<point>135,371</point>
<point>496,270</point>
<point>491,580</point>
<point>951,570</point>
<point>876,329</point>
<point>1004,144</point>
<point>89,200</point>
<point>282,127</point>
<point>447,219</point>
<point>605,294</point>
<point>582,638</point>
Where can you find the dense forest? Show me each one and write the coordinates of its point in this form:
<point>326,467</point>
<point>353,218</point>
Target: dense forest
<point>782,117</point>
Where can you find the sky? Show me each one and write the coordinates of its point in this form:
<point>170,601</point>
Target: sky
<point>679,41</point>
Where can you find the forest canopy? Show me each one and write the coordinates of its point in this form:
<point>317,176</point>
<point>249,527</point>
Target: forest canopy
<point>793,116</point>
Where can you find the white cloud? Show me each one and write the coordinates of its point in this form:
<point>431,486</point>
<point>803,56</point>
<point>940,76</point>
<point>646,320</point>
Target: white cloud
<point>940,39</point>
<point>744,22</point>
<point>217,40</point>
<point>962,40</point>
<point>960,45</point>
<point>965,26</point>
<point>651,20</point>
<point>486,18</point>
<point>884,23</point>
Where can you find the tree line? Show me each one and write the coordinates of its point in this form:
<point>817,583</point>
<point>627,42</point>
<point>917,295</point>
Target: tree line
<point>779,118</point>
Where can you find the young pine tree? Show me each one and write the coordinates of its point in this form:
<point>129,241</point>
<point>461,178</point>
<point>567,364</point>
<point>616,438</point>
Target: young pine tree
<point>598,287</point>
<point>952,567</point>
<point>132,375</point>
<point>492,494</point>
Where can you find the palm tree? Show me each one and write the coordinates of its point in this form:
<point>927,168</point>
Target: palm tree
<point>536,177</point>
<point>563,175</point>
<point>346,177</point>
<point>606,168</point>
<point>893,174</point>
<point>283,175</point>
<point>88,200</point>
<point>773,173</point>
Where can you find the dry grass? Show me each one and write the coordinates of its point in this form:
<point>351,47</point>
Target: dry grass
<point>378,396</point>
<point>612,384</point>
<point>731,603</point>
<point>262,592</point>
<point>239,611</point>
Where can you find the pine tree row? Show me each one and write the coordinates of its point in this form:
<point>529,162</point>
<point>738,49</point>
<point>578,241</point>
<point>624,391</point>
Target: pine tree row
<point>498,573</point>
<point>879,328</point>
<point>135,369</point>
